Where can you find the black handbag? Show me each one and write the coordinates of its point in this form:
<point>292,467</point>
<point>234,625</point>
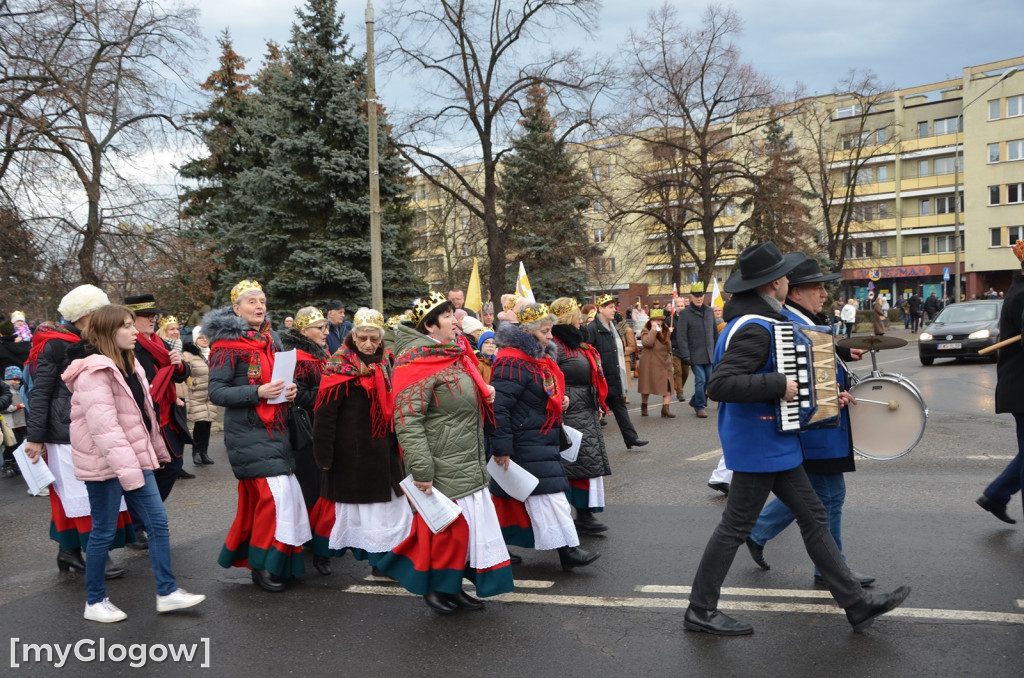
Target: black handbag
<point>300,428</point>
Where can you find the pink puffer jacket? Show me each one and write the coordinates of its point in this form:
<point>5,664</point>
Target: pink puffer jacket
<point>108,435</point>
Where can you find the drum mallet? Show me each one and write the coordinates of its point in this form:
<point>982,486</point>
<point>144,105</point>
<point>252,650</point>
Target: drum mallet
<point>1004,342</point>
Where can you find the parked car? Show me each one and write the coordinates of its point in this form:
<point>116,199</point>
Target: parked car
<point>960,331</point>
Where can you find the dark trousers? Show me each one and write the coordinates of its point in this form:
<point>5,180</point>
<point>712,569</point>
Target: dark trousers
<point>747,495</point>
<point>201,437</point>
<point>617,405</point>
<point>1009,482</point>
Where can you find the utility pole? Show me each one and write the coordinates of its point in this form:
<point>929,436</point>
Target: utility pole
<point>376,266</point>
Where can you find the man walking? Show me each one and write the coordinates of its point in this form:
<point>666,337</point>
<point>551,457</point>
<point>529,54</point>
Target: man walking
<point>337,327</point>
<point>680,370</point>
<point>605,338</point>
<point>694,338</point>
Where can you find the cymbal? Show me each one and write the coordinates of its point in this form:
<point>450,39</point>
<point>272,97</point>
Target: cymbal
<point>872,343</point>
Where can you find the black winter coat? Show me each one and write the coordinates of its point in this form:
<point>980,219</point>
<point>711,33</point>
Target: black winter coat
<point>584,410</point>
<point>733,379</point>
<point>179,417</point>
<point>520,411</point>
<point>49,401</point>
<point>1010,368</point>
<point>695,334</point>
<point>307,382</point>
<point>603,339</point>
<point>6,396</point>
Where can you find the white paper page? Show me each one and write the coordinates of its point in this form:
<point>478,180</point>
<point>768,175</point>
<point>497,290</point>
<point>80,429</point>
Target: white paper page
<point>437,510</point>
<point>575,437</point>
<point>37,475</point>
<point>517,481</point>
<point>284,368</point>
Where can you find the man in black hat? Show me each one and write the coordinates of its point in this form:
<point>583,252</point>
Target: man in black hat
<point>747,385</point>
<point>337,327</point>
<point>828,452</point>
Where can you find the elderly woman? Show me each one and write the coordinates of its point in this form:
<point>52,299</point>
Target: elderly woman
<point>271,523</point>
<point>200,411</point>
<point>656,363</point>
<point>308,336</point>
<point>441,406</point>
<point>361,506</point>
<point>528,406</point>
<point>587,390</point>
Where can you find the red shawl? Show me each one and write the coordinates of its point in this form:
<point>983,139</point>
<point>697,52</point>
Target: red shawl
<point>596,370</point>
<point>344,367</point>
<point>545,369</point>
<point>256,348</point>
<point>415,366</point>
<point>44,333</point>
<point>162,388</point>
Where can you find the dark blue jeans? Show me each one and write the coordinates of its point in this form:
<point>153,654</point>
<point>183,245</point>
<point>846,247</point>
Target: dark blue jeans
<point>701,375</point>
<point>104,501</point>
<point>1010,481</point>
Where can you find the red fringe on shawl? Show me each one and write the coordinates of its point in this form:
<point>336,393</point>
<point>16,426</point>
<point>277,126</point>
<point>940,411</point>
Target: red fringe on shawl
<point>415,366</point>
<point>344,367</point>
<point>544,369</point>
<point>596,369</point>
<point>252,352</point>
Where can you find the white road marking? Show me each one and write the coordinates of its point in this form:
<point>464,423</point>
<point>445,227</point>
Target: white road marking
<point>1020,603</point>
<point>727,591</point>
<point>985,457</point>
<point>520,583</point>
<point>744,605</point>
<point>713,454</point>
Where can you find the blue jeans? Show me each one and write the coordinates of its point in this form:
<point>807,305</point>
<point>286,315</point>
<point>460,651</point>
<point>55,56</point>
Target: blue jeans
<point>104,501</point>
<point>775,517</point>
<point>1010,481</point>
<point>701,375</point>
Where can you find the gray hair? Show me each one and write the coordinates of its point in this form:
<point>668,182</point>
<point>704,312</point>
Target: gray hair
<point>535,325</point>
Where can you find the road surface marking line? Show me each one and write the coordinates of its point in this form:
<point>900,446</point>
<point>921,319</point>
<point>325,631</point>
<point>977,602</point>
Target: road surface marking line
<point>750,606</point>
<point>1020,603</point>
<point>984,457</point>
<point>727,591</point>
<point>520,583</point>
<point>713,454</point>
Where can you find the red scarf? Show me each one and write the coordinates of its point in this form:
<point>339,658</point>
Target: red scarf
<point>256,348</point>
<point>44,333</point>
<point>596,370</point>
<point>308,367</point>
<point>162,387</point>
<point>416,365</point>
<point>344,367</point>
<point>544,369</point>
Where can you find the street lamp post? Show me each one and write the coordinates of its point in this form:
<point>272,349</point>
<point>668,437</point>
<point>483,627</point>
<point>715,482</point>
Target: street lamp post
<point>376,265</point>
<point>957,197</point>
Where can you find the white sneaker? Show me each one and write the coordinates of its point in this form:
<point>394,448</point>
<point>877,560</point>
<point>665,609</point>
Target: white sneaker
<point>45,492</point>
<point>178,600</point>
<point>104,611</point>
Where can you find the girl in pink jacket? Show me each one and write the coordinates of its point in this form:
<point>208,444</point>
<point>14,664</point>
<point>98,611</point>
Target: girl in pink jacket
<point>116,443</point>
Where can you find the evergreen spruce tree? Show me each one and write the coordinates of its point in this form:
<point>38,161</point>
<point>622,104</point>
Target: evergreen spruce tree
<point>542,197</point>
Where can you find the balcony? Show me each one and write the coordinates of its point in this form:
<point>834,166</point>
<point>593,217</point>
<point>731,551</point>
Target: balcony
<point>923,143</point>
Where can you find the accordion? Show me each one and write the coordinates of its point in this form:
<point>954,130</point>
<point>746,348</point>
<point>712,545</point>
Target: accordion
<point>807,355</point>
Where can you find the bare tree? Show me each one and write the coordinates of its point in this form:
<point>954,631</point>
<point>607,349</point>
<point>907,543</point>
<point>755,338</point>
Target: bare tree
<point>87,92</point>
<point>696,107</point>
<point>475,62</point>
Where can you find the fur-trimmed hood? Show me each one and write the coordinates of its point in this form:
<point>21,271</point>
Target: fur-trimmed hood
<point>292,338</point>
<point>512,336</point>
<point>222,323</point>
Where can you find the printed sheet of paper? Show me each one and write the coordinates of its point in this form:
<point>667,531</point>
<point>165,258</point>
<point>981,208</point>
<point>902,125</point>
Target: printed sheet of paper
<point>37,475</point>
<point>517,481</point>
<point>575,437</point>
<point>437,510</point>
<point>284,368</point>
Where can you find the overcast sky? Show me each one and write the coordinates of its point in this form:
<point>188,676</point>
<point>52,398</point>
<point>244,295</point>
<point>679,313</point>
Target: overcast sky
<point>815,42</point>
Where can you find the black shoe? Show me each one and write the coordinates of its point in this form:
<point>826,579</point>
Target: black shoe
<point>604,422</point>
<point>862,579</point>
<point>721,487</point>
<point>464,601</point>
<point>206,458</point>
<point>439,603</point>
<point>862,613</point>
<point>197,459</point>
<point>70,560</point>
<point>185,475</point>
<point>636,443</point>
<point>114,571</point>
<point>998,510</point>
<point>714,622</point>
<point>587,523</point>
<point>322,564</point>
<point>141,542</point>
<point>574,556</point>
<point>681,398</point>
<point>757,553</point>
<point>267,581</point>
<point>513,559</point>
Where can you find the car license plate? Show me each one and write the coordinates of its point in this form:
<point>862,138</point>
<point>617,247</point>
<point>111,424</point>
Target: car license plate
<point>945,347</point>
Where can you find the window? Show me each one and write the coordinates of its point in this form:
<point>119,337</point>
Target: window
<point>1016,233</point>
<point>603,265</point>
<point>1015,150</point>
<point>993,195</point>
<point>924,207</point>
<point>883,248</point>
<point>599,206</point>
<point>883,210</point>
<point>947,165</point>
<point>598,235</point>
<point>597,173</point>
<point>1014,193</point>
<point>464,223</point>
<point>465,249</point>
<point>922,128</point>
<point>924,245</point>
<point>848,111</point>
<point>945,205</point>
<point>944,243</point>
<point>993,152</point>
<point>995,237</point>
<point>994,109</point>
<point>1015,106</point>
<point>882,173</point>
<point>730,209</point>
<point>880,136</point>
<point>947,126</point>
<point>922,168</point>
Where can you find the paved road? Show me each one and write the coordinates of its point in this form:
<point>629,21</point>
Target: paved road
<point>911,521</point>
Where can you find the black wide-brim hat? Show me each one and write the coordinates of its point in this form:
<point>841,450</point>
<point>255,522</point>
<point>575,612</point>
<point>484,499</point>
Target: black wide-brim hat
<point>810,272</point>
<point>761,264</point>
<point>144,304</point>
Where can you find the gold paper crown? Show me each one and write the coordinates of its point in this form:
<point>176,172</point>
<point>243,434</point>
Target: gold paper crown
<point>167,320</point>
<point>304,320</point>
<point>243,287</point>
<point>529,315</point>
<point>657,313</point>
<point>511,301</point>
<point>591,315</point>
<point>396,320</point>
<point>565,307</point>
<point>17,315</point>
<point>366,318</point>
<point>605,299</point>
<point>1018,250</point>
<point>697,288</point>
<point>422,307</point>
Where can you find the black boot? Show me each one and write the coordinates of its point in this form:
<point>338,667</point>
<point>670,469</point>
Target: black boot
<point>267,581</point>
<point>586,523</point>
<point>574,556</point>
<point>757,553</point>
<point>197,459</point>
<point>862,613</point>
<point>439,602</point>
<point>464,601</point>
<point>114,571</point>
<point>70,560</point>
<point>322,564</point>
<point>206,457</point>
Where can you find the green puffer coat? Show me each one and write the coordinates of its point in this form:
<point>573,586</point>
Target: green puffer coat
<point>439,426</point>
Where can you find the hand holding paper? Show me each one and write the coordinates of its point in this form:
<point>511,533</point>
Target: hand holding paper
<point>284,370</point>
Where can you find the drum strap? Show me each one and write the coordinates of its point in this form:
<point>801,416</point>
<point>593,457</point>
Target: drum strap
<point>739,322</point>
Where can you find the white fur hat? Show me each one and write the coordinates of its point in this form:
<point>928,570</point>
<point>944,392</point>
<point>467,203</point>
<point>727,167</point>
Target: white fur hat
<point>81,301</point>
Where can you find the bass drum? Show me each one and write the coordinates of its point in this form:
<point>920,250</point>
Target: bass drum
<point>889,418</point>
